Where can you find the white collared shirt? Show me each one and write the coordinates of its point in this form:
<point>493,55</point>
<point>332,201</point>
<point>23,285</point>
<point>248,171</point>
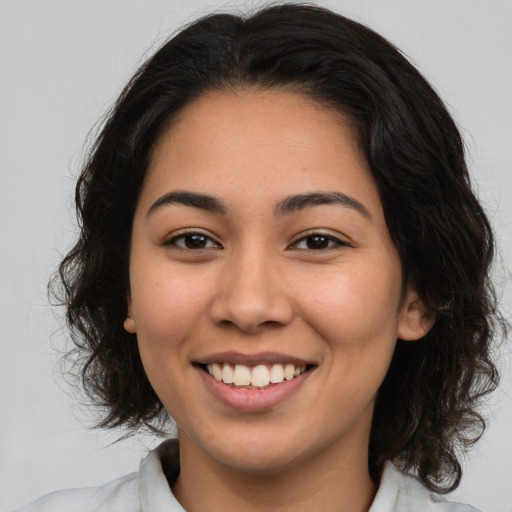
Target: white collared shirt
<point>148,491</point>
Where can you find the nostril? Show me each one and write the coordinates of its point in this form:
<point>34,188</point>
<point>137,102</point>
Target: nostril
<point>251,328</point>
<point>271,324</point>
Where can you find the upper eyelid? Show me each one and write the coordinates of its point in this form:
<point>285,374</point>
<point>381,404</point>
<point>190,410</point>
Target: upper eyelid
<point>314,232</point>
<point>190,231</point>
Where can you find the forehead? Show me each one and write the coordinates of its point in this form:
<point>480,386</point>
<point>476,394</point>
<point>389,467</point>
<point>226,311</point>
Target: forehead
<point>259,146</point>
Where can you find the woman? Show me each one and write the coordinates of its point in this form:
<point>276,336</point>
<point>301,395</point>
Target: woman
<point>280,249</point>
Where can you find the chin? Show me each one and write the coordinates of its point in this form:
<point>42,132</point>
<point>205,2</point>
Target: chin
<point>257,453</point>
<point>254,462</point>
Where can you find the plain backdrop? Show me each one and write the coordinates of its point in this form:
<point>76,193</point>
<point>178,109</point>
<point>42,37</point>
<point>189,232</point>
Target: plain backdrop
<point>62,63</point>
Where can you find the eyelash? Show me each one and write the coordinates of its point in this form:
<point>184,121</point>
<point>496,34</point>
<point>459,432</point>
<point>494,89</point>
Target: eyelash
<point>332,242</point>
<point>190,235</point>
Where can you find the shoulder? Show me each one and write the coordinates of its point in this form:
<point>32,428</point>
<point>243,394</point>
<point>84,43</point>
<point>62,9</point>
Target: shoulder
<point>145,491</point>
<point>399,492</point>
<point>120,494</point>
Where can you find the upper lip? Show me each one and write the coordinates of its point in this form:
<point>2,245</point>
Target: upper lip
<point>252,359</point>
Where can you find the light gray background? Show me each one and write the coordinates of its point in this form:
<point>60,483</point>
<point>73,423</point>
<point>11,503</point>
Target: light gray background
<point>61,64</point>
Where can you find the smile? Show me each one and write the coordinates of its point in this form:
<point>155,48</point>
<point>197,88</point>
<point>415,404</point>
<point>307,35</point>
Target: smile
<point>257,377</point>
<point>254,382</point>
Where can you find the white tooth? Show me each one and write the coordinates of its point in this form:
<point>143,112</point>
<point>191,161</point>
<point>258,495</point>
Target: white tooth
<point>296,372</point>
<point>209,367</point>
<point>242,375</point>
<point>217,372</point>
<point>289,371</point>
<point>276,373</point>
<point>260,376</point>
<point>303,368</point>
<point>227,374</point>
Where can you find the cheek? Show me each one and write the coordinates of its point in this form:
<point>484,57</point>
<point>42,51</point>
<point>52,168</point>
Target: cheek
<point>357,317</point>
<point>168,311</point>
<point>357,307</point>
<point>167,307</point>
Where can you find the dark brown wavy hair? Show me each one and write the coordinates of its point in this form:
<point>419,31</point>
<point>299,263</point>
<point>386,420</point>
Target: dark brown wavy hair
<point>426,409</point>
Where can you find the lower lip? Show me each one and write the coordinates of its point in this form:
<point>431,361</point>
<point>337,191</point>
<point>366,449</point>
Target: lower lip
<point>253,400</point>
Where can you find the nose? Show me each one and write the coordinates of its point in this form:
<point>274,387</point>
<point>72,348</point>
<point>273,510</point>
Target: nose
<point>252,296</point>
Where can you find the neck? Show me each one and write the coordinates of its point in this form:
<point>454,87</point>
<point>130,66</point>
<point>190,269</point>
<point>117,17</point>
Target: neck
<point>331,481</point>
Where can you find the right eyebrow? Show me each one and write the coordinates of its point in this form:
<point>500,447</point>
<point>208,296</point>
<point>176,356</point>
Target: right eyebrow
<point>192,199</point>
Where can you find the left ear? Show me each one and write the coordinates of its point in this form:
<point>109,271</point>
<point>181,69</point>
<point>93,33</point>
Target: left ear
<point>415,319</point>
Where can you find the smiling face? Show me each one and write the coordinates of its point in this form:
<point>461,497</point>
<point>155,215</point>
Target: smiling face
<point>260,254</point>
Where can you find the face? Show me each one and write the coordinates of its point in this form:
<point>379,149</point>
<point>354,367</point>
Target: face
<point>260,255</point>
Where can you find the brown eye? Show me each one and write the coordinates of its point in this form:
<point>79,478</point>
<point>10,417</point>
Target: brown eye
<point>193,241</point>
<point>318,241</point>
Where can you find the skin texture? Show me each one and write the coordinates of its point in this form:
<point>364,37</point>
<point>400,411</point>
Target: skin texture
<point>256,286</point>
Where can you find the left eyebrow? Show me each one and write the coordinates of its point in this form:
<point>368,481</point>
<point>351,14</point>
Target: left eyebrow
<point>300,202</point>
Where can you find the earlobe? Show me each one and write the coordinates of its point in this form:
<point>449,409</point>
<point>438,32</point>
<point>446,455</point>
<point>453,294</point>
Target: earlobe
<point>129,322</point>
<point>415,319</point>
